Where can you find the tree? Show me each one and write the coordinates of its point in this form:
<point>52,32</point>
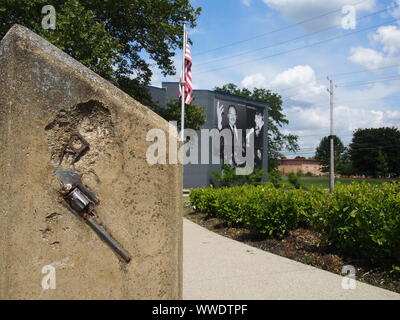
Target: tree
<point>375,151</point>
<point>323,153</point>
<point>382,165</point>
<point>277,141</point>
<point>344,166</point>
<point>112,38</point>
<point>195,116</point>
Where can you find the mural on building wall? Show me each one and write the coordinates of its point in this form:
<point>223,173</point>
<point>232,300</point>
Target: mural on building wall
<point>255,122</point>
<point>239,122</point>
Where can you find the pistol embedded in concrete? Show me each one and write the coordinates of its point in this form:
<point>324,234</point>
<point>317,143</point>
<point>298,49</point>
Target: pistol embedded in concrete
<point>82,202</point>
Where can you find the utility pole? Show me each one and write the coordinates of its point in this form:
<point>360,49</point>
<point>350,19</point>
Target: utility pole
<point>332,139</point>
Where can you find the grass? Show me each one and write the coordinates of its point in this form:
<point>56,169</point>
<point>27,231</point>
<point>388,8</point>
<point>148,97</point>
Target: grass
<point>324,181</point>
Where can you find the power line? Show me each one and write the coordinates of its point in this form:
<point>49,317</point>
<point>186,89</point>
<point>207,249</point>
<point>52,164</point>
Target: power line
<point>285,99</point>
<point>277,30</point>
<point>360,83</point>
<point>362,71</point>
<point>284,42</point>
<point>323,134</point>
<point>336,75</point>
<point>357,148</point>
<point>375,148</point>
<point>360,100</point>
<point>262,48</point>
<point>303,150</point>
<point>300,48</point>
<point>352,84</point>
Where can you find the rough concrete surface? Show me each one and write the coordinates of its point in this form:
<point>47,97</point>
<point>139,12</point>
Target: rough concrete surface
<point>45,96</point>
<point>219,268</point>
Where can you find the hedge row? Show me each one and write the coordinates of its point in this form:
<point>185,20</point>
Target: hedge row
<point>262,209</point>
<point>362,220</point>
<point>359,219</point>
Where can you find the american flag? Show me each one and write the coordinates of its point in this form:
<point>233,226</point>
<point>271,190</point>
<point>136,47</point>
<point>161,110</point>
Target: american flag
<point>188,77</point>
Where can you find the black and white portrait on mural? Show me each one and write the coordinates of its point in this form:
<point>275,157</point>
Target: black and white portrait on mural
<point>255,119</point>
<point>236,122</point>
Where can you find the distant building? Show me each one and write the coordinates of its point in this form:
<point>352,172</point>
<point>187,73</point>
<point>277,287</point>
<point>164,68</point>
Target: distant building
<point>200,175</point>
<point>287,166</point>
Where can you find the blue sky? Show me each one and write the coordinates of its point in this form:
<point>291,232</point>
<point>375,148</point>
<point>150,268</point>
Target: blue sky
<point>269,37</point>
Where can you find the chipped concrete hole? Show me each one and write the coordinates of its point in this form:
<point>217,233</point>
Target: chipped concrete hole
<point>92,120</point>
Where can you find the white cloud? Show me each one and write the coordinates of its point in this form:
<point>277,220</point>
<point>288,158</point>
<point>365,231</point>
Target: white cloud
<point>394,115</point>
<point>366,57</point>
<point>299,10</point>
<point>312,124</point>
<point>315,119</point>
<point>353,109</point>
<point>364,107</point>
<point>303,81</point>
<point>394,9</point>
<point>301,78</point>
<point>352,118</point>
<point>256,80</point>
<point>294,76</point>
<point>355,118</point>
<point>389,37</point>
<point>247,3</point>
<point>371,96</point>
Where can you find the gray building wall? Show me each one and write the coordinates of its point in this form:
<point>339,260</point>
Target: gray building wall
<point>199,175</point>
<point>158,95</point>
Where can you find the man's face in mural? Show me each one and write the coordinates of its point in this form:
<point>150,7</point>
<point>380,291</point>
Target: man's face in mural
<point>259,120</point>
<point>232,116</point>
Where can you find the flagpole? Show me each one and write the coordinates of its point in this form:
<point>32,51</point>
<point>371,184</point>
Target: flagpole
<point>182,84</point>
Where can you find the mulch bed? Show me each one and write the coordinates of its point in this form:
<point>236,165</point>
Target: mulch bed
<point>304,246</point>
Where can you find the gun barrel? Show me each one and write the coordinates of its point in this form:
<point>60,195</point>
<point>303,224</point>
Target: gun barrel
<point>102,232</point>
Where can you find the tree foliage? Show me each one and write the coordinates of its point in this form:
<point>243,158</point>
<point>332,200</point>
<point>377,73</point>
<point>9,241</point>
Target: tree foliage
<point>112,38</point>
<point>382,165</point>
<point>323,153</point>
<point>345,166</point>
<point>376,152</point>
<point>228,177</point>
<point>277,141</point>
<point>195,116</point>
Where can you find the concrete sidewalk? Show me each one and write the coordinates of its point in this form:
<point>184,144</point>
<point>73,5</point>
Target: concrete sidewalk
<point>215,267</point>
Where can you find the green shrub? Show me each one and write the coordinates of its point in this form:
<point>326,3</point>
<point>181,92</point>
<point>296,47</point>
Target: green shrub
<point>275,177</point>
<point>253,178</point>
<point>269,211</point>
<point>262,209</point>
<point>300,173</point>
<point>228,178</point>
<point>203,200</point>
<point>308,204</point>
<point>362,220</point>
<point>293,179</point>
